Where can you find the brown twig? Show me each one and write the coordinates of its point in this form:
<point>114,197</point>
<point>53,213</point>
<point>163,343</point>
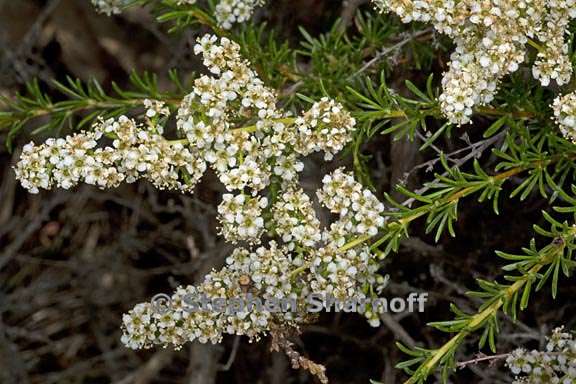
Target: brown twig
<point>482,358</point>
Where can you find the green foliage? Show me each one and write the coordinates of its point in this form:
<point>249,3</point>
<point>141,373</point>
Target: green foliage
<point>518,153</point>
<point>271,57</point>
<point>526,273</point>
<point>83,103</point>
<point>180,16</point>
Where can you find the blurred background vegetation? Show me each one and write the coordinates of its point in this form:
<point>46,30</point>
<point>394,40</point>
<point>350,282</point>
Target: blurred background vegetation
<point>71,262</point>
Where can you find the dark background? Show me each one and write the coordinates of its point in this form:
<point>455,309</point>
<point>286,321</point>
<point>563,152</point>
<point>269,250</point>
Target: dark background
<point>71,262</point>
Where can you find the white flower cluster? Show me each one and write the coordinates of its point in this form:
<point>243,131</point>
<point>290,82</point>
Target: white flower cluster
<point>338,273</point>
<point>245,158</point>
<point>491,38</point>
<point>565,115</point>
<point>250,156</point>
<point>229,12</point>
<point>136,152</point>
<point>109,7</point>
<point>308,260</point>
<point>556,365</point>
<point>261,271</point>
<point>295,220</point>
<point>259,165</point>
<point>241,217</point>
<point>323,128</point>
<point>156,108</point>
<point>357,206</point>
<point>342,274</point>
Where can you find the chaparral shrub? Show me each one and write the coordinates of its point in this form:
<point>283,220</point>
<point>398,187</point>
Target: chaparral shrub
<point>482,88</point>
